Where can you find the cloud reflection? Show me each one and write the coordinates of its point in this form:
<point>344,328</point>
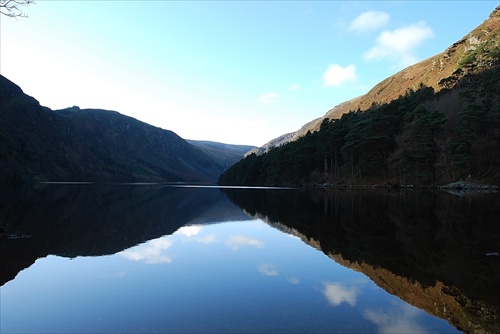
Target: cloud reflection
<point>235,242</point>
<point>400,319</point>
<point>267,270</point>
<point>121,274</point>
<point>189,231</point>
<point>207,239</point>
<point>150,252</point>
<point>336,294</point>
<point>192,232</point>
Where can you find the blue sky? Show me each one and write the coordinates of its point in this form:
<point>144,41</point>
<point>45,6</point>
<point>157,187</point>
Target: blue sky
<point>239,72</point>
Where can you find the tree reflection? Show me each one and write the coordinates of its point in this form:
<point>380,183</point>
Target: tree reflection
<point>427,247</point>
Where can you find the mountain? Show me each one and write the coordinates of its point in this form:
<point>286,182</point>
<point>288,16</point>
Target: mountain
<point>276,142</point>
<point>441,71</point>
<point>73,144</point>
<point>229,154</point>
<point>433,123</point>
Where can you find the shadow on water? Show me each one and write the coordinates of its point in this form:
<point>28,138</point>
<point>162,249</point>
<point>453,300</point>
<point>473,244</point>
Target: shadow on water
<point>428,248</point>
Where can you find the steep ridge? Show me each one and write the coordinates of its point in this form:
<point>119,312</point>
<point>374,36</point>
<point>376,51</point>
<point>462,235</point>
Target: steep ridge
<point>441,71</point>
<point>75,144</point>
<point>228,154</point>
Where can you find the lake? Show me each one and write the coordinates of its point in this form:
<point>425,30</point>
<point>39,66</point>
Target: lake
<point>84,258</point>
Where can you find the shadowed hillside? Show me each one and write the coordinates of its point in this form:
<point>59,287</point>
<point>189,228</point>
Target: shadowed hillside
<point>433,123</point>
<point>419,139</point>
<point>228,154</point>
<point>74,144</point>
<point>470,54</point>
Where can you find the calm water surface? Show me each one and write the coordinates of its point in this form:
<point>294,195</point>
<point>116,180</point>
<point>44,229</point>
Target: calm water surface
<point>95,259</point>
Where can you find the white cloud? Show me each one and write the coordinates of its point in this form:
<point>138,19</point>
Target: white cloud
<point>337,75</point>
<point>150,252</point>
<point>268,98</point>
<point>235,242</point>
<point>293,280</point>
<point>396,320</point>
<point>267,270</point>
<point>398,44</point>
<point>336,294</point>
<point>294,87</point>
<point>369,21</point>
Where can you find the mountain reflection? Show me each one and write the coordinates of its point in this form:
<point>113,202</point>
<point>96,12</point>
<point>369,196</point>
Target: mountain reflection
<point>428,248</point>
<point>91,220</point>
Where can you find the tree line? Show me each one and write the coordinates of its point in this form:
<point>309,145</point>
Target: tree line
<point>421,138</point>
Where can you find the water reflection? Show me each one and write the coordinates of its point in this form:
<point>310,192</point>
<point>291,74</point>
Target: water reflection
<point>92,220</point>
<point>244,275</point>
<point>338,294</point>
<point>400,318</point>
<point>152,252</point>
<point>429,248</point>
<point>283,286</point>
<point>235,242</point>
<point>267,269</point>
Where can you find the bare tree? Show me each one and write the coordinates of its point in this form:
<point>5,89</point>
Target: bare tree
<point>10,8</point>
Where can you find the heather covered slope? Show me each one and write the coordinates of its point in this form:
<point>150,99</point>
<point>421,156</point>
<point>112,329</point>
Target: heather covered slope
<point>420,139</point>
<point>433,123</point>
<point>442,71</point>
<point>75,144</point>
<point>228,154</point>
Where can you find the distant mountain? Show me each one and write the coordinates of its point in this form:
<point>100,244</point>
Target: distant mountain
<point>37,143</point>
<point>441,71</point>
<point>227,153</point>
<point>276,142</point>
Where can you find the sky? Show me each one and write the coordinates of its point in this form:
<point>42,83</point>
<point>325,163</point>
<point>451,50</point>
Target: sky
<point>236,72</point>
